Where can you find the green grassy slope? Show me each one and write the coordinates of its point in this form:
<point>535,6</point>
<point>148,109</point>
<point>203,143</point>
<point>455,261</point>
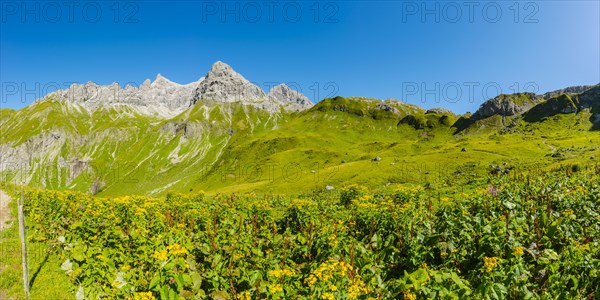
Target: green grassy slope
<point>233,147</point>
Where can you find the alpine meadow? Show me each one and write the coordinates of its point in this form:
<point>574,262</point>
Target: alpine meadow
<point>220,189</point>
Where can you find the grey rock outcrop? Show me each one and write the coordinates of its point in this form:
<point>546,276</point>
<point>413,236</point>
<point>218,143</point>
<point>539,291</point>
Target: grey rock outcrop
<point>223,84</point>
<point>387,107</point>
<point>569,91</point>
<point>161,97</point>
<point>506,105</point>
<point>438,110</point>
<point>288,98</point>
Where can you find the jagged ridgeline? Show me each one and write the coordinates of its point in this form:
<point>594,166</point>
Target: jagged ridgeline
<point>225,134</point>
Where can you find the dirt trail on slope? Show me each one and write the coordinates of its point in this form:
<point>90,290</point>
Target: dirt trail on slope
<point>5,222</point>
<point>5,218</point>
<point>550,146</point>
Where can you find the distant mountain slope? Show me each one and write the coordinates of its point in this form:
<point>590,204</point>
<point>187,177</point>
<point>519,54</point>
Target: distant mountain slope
<point>223,133</point>
<point>569,90</point>
<point>505,109</point>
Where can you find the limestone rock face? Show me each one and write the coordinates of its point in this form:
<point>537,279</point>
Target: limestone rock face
<point>506,105</point>
<point>223,84</point>
<point>288,98</point>
<point>569,91</point>
<point>161,97</point>
<point>166,99</point>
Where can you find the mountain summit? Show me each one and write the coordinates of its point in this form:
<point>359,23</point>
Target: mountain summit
<point>166,99</point>
<point>223,84</point>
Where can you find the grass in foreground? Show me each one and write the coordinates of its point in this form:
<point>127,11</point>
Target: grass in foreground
<point>47,281</point>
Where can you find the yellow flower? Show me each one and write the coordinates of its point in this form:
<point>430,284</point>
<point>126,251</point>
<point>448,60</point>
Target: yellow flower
<point>333,287</point>
<point>584,247</point>
<point>245,295</point>
<point>161,255</point>
<point>126,268</point>
<point>176,249</point>
<point>274,288</point>
<point>357,289</point>
<point>490,263</point>
<point>143,296</point>
<point>365,198</point>
<point>327,296</point>
<point>518,251</point>
<point>281,273</point>
<point>333,242</point>
<point>300,203</point>
<point>139,211</point>
<point>310,280</point>
<point>409,296</point>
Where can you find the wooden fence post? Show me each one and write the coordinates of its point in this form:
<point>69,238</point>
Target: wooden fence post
<point>23,245</point>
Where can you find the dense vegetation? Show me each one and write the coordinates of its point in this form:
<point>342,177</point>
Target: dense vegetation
<point>533,237</point>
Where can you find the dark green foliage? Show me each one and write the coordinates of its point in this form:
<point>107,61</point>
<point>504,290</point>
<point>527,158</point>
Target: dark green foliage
<point>562,104</point>
<point>416,121</point>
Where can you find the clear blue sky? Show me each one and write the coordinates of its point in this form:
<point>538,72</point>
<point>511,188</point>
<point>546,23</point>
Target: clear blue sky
<point>385,49</point>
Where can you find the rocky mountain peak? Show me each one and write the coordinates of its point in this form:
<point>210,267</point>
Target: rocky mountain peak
<point>162,81</point>
<point>224,72</point>
<point>160,78</point>
<point>220,66</point>
<point>223,84</point>
<point>146,84</point>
